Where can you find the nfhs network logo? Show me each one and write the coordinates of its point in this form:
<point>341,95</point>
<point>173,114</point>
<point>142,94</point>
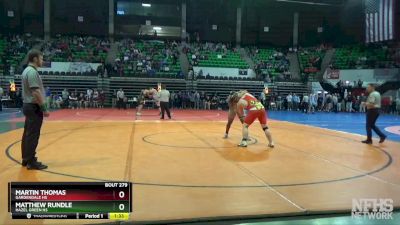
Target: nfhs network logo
<point>372,208</point>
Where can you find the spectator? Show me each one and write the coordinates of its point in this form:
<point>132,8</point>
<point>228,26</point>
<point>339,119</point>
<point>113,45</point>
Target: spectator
<point>335,102</point>
<point>114,99</point>
<point>196,100</point>
<point>279,102</point>
<point>313,102</point>
<point>328,103</point>
<point>57,101</point>
<point>289,100</point>
<point>386,102</point>
<point>340,103</point>
<point>81,100</point>
<point>48,97</point>
<point>349,102</point>
<point>320,101</point>
<point>73,101</point>
<point>363,99</point>
<point>192,100</point>
<point>305,102</point>
<point>360,83</point>
<point>393,107</point>
<point>120,99</point>
<point>102,99</point>
<point>95,98</point>
<point>296,102</point>
<point>214,102</point>
<point>207,102</point>
<point>65,96</point>
<point>89,94</point>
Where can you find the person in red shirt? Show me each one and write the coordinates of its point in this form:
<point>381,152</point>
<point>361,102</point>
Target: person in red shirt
<point>256,110</point>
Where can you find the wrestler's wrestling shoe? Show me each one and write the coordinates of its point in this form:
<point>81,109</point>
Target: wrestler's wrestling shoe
<point>271,145</point>
<point>243,143</point>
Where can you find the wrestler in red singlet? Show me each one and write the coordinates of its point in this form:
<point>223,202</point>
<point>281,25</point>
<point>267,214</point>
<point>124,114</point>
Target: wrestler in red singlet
<point>255,110</point>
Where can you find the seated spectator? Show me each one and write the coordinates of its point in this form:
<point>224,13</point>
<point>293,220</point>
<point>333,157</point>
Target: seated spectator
<point>95,98</point>
<point>102,99</point>
<point>57,101</point>
<point>81,100</point>
<point>65,98</point>
<point>207,102</point>
<point>73,101</point>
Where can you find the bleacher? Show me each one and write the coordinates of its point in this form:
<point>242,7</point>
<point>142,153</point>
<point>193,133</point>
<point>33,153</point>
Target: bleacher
<point>270,61</point>
<point>217,59</point>
<point>133,86</point>
<point>310,60</point>
<point>360,57</point>
<point>11,54</point>
<point>68,50</point>
<point>214,55</point>
<point>284,88</point>
<point>224,87</point>
<point>154,50</point>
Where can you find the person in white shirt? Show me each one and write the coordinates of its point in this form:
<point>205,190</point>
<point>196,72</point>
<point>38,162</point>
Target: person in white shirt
<point>373,105</point>
<point>197,100</point>
<point>313,102</point>
<point>296,102</point>
<point>120,99</point>
<point>95,98</point>
<point>305,103</point>
<point>164,101</point>
<point>289,100</point>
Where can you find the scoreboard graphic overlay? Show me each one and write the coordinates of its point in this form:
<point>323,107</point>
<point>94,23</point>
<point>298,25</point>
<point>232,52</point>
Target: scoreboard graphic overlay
<point>70,200</point>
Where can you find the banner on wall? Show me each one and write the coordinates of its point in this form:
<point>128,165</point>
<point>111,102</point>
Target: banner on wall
<point>333,74</point>
<point>70,67</point>
<point>226,72</point>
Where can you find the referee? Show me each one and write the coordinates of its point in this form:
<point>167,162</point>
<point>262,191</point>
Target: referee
<point>34,109</point>
<point>164,101</point>
<point>373,105</point>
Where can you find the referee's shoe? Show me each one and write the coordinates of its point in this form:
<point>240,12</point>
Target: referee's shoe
<point>34,165</point>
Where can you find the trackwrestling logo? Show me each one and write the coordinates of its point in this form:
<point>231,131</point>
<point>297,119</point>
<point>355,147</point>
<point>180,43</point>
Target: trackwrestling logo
<point>372,208</point>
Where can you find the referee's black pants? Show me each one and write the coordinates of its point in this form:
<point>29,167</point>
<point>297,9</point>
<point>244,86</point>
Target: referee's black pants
<point>372,116</point>
<point>165,107</point>
<point>33,124</point>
